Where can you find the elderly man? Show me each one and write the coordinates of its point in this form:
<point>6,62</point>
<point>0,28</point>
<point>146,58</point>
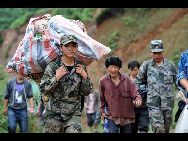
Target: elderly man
<point>120,95</point>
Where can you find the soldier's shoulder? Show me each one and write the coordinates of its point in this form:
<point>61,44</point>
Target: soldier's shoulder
<point>170,63</point>
<point>53,63</point>
<point>147,62</point>
<point>79,62</point>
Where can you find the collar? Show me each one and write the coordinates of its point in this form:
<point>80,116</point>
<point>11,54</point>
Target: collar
<point>153,62</point>
<point>76,61</point>
<point>122,77</point>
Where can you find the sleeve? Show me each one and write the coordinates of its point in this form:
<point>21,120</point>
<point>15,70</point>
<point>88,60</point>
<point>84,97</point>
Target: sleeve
<point>175,74</point>
<point>29,90</point>
<point>48,81</point>
<point>85,85</point>
<point>135,94</point>
<point>7,92</point>
<point>142,76</point>
<point>182,70</point>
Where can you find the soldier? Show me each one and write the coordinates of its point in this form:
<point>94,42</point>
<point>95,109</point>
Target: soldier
<point>65,80</point>
<point>160,74</point>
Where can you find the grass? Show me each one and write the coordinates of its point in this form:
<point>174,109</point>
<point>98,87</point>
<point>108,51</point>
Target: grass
<point>100,129</point>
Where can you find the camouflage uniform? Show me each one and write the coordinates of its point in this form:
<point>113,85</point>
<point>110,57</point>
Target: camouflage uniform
<point>63,110</point>
<point>160,96</point>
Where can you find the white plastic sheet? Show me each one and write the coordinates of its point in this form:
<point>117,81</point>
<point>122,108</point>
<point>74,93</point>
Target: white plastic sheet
<point>182,124</point>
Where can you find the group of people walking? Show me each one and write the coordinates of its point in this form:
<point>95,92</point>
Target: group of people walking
<point>134,101</point>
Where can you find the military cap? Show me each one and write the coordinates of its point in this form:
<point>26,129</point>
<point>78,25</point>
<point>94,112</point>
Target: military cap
<point>67,39</point>
<point>156,46</point>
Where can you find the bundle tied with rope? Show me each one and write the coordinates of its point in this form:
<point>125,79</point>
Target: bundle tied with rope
<point>41,42</point>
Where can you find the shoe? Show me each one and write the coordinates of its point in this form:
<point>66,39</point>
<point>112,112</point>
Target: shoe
<point>96,131</point>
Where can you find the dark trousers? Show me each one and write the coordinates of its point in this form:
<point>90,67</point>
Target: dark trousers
<point>113,128</point>
<point>91,119</point>
<point>141,120</point>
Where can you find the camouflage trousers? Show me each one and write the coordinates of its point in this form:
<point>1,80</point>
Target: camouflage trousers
<point>72,125</point>
<point>160,120</point>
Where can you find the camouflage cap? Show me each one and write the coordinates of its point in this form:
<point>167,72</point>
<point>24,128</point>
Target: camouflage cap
<point>67,39</point>
<point>156,46</point>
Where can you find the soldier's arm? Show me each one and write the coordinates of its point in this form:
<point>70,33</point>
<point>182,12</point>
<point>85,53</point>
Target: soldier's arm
<point>175,74</point>
<point>48,81</point>
<point>141,76</point>
<point>134,93</point>
<point>85,85</point>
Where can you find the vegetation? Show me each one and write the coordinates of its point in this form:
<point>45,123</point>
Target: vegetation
<point>15,17</point>
<point>3,81</point>
<point>113,39</point>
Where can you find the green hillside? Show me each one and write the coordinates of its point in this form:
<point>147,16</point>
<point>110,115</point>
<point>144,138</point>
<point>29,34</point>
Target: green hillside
<point>15,17</point>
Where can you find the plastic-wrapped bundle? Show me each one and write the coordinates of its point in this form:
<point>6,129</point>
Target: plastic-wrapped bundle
<point>87,47</point>
<point>34,52</point>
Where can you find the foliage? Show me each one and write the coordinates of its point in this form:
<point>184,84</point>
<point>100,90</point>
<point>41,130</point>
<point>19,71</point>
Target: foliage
<point>129,21</point>
<point>12,16</point>
<point>113,39</point>
<point>15,17</point>
<point>83,14</point>
<point>20,21</point>
<point>3,81</point>
<point>176,57</point>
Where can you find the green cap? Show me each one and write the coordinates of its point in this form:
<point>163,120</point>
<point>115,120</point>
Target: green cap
<point>67,39</point>
<point>156,46</point>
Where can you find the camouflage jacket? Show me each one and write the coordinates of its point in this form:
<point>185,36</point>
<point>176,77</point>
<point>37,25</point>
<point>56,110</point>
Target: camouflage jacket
<point>65,94</point>
<point>159,81</point>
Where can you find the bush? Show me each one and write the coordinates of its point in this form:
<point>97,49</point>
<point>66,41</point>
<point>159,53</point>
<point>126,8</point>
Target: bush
<point>176,57</point>
<point>3,82</point>
<point>113,39</point>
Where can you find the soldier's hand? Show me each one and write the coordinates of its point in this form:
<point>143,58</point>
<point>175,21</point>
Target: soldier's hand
<point>60,72</point>
<point>80,70</point>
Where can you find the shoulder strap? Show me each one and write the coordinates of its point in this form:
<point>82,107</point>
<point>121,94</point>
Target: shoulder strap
<point>147,64</point>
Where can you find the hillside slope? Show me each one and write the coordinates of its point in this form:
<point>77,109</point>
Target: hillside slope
<point>168,25</point>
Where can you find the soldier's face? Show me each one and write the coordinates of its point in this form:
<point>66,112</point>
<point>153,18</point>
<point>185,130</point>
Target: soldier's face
<point>70,49</point>
<point>157,56</point>
<point>113,71</point>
